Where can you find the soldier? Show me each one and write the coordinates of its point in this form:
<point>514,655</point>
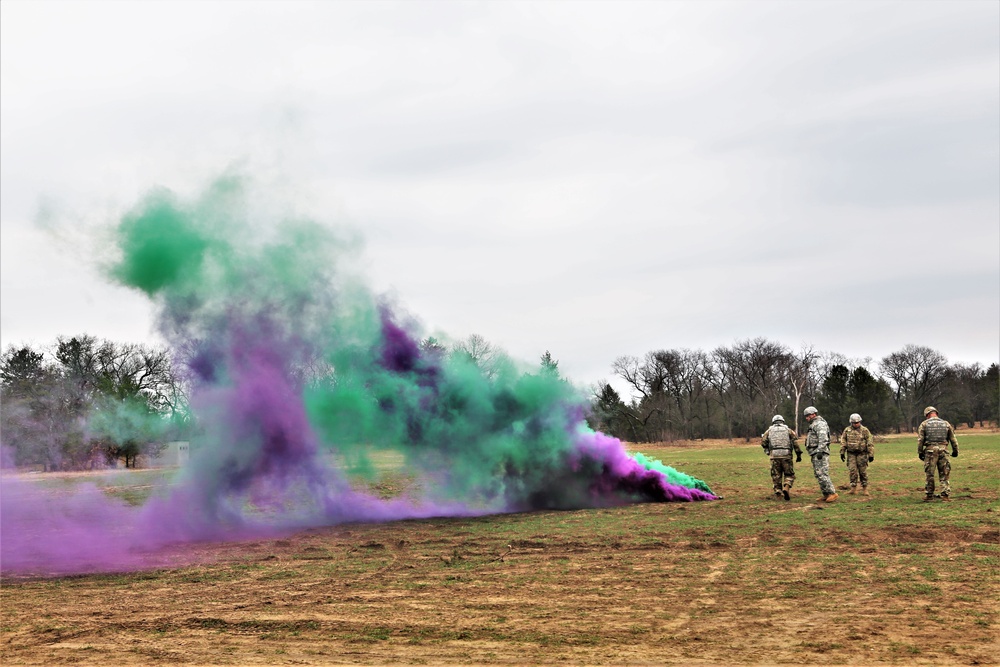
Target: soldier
<point>858,449</point>
<point>778,441</point>
<point>818,446</point>
<point>933,437</point>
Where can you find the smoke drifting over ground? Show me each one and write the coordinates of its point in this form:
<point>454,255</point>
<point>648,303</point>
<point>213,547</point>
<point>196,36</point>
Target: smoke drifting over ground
<point>298,375</point>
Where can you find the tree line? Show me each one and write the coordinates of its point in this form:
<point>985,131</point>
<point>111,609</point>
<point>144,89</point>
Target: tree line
<point>85,402</point>
<point>733,391</point>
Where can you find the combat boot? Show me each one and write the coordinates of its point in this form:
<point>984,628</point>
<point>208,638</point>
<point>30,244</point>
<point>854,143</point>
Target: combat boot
<point>853,491</point>
<point>864,491</point>
<point>944,496</point>
<point>929,497</point>
<point>777,495</point>
<point>784,492</point>
<point>830,498</point>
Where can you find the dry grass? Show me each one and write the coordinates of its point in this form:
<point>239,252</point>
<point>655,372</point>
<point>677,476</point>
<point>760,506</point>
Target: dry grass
<point>746,580</point>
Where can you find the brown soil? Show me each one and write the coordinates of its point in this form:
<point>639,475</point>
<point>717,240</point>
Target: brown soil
<point>645,584</point>
<point>493,590</point>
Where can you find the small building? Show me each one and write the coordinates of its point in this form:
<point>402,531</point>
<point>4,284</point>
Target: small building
<point>173,455</point>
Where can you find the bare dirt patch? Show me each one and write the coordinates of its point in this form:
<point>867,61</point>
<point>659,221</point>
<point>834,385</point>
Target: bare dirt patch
<point>881,580</point>
<point>518,589</point>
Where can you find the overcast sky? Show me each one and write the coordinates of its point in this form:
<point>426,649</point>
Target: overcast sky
<point>593,179</point>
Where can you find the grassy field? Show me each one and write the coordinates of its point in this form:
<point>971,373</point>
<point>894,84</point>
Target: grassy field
<point>743,580</point>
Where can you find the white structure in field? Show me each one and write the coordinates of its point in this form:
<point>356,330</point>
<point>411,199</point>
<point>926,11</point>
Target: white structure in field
<point>173,455</point>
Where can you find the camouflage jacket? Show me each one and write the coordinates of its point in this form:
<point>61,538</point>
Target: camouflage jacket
<point>857,440</point>
<point>935,432</point>
<point>778,448</point>
<point>818,437</point>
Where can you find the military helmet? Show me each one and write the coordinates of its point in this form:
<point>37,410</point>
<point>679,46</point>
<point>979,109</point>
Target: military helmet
<point>929,409</point>
<point>855,417</point>
<point>777,418</point>
<point>809,411</point>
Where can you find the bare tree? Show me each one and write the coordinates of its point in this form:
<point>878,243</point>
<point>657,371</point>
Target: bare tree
<point>718,374</point>
<point>964,398</point>
<point>755,368</point>
<point>129,392</point>
<point>489,358</point>
<point>683,374</point>
<point>650,409</point>
<point>799,373</point>
<point>916,373</point>
<point>733,390</point>
<point>627,368</point>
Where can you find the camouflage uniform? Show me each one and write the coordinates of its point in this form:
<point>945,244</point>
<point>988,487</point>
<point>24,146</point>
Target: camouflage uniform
<point>933,436</point>
<point>818,446</point>
<point>858,446</point>
<point>779,441</point>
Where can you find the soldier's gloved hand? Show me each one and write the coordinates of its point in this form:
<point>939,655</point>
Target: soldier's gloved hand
<point>798,457</point>
<point>954,453</point>
<point>920,456</point>
<point>843,457</point>
<point>871,458</point>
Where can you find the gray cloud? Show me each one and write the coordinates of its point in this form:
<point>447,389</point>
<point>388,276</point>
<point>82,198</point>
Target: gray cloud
<point>594,179</point>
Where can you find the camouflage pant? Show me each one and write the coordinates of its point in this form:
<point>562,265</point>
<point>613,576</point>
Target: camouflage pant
<point>937,458</point>
<point>782,468</point>
<point>821,467</point>
<point>857,467</point>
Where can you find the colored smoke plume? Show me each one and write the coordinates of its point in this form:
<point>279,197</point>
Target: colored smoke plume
<point>298,374</point>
